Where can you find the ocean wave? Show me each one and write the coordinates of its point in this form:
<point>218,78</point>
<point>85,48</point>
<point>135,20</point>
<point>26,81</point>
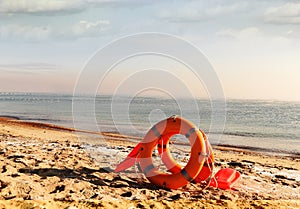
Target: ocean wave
<point>262,135</point>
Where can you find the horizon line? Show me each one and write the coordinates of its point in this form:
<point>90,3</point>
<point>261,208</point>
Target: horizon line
<point>148,96</point>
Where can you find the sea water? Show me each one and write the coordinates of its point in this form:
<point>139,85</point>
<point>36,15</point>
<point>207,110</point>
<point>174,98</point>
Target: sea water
<point>260,125</point>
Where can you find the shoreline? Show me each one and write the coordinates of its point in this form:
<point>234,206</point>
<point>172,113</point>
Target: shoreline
<point>136,139</point>
<point>44,165</point>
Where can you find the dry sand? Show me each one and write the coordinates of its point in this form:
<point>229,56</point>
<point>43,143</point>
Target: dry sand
<point>44,166</point>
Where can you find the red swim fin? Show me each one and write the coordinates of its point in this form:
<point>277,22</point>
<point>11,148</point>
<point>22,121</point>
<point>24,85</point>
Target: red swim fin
<point>129,160</point>
<point>225,178</point>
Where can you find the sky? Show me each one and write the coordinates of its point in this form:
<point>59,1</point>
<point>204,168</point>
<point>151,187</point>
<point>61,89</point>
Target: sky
<point>253,46</point>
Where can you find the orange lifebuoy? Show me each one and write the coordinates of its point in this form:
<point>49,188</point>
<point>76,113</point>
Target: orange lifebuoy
<point>174,167</point>
<point>167,128</point>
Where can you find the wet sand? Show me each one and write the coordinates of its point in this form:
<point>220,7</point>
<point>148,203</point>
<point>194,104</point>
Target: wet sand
<point>47,166</point>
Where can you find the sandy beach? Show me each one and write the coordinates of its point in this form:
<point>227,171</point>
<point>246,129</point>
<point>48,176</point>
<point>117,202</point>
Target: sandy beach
<point>47,166</point>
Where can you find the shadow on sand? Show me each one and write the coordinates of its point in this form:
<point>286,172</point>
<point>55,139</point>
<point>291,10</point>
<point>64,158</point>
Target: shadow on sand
<point>89,175</point>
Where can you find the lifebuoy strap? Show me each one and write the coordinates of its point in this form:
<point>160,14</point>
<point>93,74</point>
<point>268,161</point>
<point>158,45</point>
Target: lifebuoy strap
<point>205,164</point>
<point>164,146</point>
<point>186,175</point>
<point>148,168</point>
<point>189,133</point>
<point>139,167</point>
<point>156,132</point>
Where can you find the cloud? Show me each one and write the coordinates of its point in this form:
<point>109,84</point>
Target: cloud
<point>29,68</point>
<point>40,33</point>
<point>118,3</point>
<point>197,11</point>
<point>288,13</point>
<point>40,6</point>
<point>53,7</point>
<point>28,32</point>
<point>88,29</point>
<point>253,36</point>
<point>245,33</point>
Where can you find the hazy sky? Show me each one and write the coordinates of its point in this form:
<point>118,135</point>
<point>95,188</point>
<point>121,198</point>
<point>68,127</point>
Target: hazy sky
<point>254,46</point>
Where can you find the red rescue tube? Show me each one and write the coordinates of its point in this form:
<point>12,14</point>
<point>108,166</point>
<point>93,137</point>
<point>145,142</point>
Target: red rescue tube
<point>170,127</point>
<point>174,167</point>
